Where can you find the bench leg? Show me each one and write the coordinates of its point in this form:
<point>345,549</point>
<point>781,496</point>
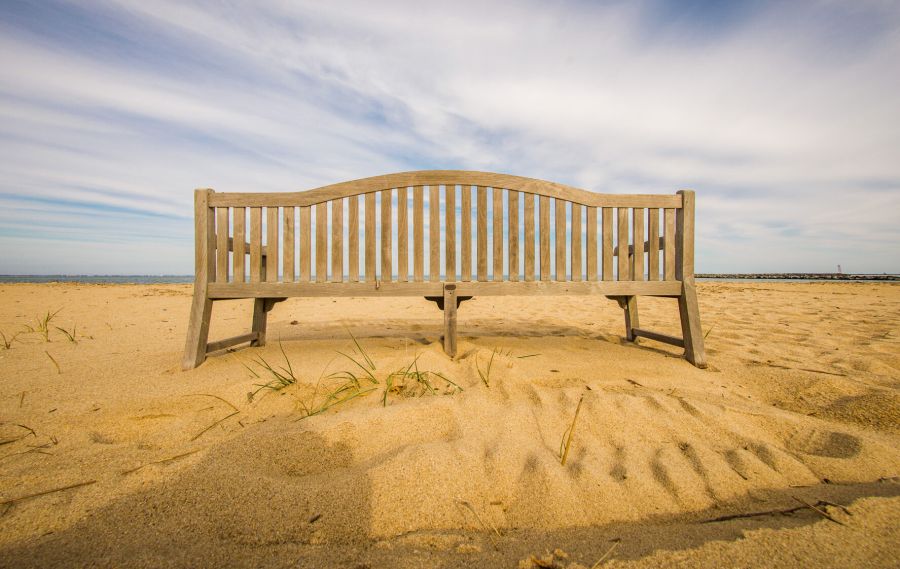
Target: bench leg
<point>261,309</point>
<point>198,331</point>
<point>450,320</point>
<point>629,305</point>
<point>690,326</point>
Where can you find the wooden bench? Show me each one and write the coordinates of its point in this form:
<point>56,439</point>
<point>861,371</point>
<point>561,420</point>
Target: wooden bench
<point>486,234</point>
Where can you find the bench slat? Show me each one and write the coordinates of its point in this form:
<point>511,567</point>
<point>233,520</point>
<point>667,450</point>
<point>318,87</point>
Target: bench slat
<point>482,233</point>
<point>288,247</point>
<point>560,207</point>
<point>669,245</point>
<point>353,235</point>
<point>450,232</point>
<point>418,235</point>
<point>497,233</point>
<point>529,237</point>
<point>607,243</point>
<point>544,229</point>
<point>255,244</point>
<point>370,238</point>
<point>402,235</point>
<point>591,243</point>
<point>466,230</point>
<point>577,268</point>
<point>637,258</point>
<point>337,241</point>
<point>322,242</point>
<point>622,243</point>
<point>240,219</point>
<point>653,245</point>
<point>386,232</point>
<point>222,244</point>
<point>305,243</point>
<point>272,244</point>
<point>512,212</point>
<point>434,233</point>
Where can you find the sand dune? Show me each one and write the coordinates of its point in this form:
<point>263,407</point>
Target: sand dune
<point>800,404</point>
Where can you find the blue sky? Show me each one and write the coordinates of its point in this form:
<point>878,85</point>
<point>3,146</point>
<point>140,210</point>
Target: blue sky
<point>783,116</point>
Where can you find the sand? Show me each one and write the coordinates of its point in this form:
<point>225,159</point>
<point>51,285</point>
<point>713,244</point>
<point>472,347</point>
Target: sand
<point>799,405</point>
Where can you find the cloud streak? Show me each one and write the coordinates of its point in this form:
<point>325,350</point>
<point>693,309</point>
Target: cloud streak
<point>782,117</point>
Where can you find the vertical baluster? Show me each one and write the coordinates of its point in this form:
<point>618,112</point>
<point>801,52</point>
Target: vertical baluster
<point>560,240</point>
<point>271,244</point>
<point>305,243</point>
<point>450,232</point>
<point>591,243</point>
<point>418,234</point>
<point>387,265</point>
<point>370,237</point>
<point>637,259</point>
<point>577,273</point>
<point>402,235</point>
<point>482,233</point>
<point>529,237</point>
<point>288,246</point>
<point>512,213</point>
<point>466,229</point>
<point>607,244</point>
<point>322,242</point>
<point>497,232</point>
<point>434,233</point>
<point>353,234</point>
<point>222,244</point>
<point>337,240</point>
<point>669,244</point>
<point>653,248</point>
<point>622,244</point>
<point>544,214</point>
<point>240,219</point>
<point>255,244</point>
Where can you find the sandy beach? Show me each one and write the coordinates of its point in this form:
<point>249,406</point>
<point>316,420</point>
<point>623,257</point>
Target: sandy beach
<point>784,453</point>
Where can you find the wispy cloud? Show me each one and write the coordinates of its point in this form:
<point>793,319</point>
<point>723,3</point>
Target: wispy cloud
<point>782,116</point>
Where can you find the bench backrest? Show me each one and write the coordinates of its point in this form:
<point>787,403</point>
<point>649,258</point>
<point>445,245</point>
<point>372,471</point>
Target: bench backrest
<point>443,225</point>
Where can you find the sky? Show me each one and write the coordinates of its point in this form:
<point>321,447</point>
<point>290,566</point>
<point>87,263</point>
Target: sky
<point>783,116</point>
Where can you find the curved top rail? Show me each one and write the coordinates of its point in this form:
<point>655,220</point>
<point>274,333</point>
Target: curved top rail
<point>434,177</point>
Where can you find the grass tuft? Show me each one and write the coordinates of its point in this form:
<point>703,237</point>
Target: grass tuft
<point>282,376</point>
<point>70,336</point>
<point>5,342</point>
<point>566,441</point>
<point>55,363</point>
<point>42,325</point>
<point>486,374</point>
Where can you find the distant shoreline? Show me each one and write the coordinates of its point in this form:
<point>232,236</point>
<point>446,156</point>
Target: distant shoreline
<point>188,279</point>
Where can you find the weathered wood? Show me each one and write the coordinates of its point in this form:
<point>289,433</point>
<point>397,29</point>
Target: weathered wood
<point>481,206</point>
<point>637,257</point>
<point>450,320</point>
<point>466,229</point>
<point>222,244</point>
<point>305,244</point>
<point>418,235</point>
<point>544,229</point>
<point>321,242</point>
<point>337,241</point>
<point>561,274</point>
<point>607,244</point>
<point>436,177</point>
<point>271,256</point>
<point>665,338</point>
<point>387,229</point>
<point>512,214</point>
<point>539,288</point>
<point>204,267</point>
<point>256,258</point>
<point>353,234</point>
<point>688,306</point>
<point>370,238</point>
<point>434,233</point>
<point>576,268</point>
<point>591,243</point>
<point>287,264</point>
<point>669,245</point>
<point>450,233</point>
<point>529,237</point>
<point>622,244</point>
<point>691,331</point>
<point>229,342</point>
<point>259,322</point>
<point>240,246</point>
<point>653,244</point>
<point>497,233</point>
<point>402,235</point>
<point>631,317</point>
